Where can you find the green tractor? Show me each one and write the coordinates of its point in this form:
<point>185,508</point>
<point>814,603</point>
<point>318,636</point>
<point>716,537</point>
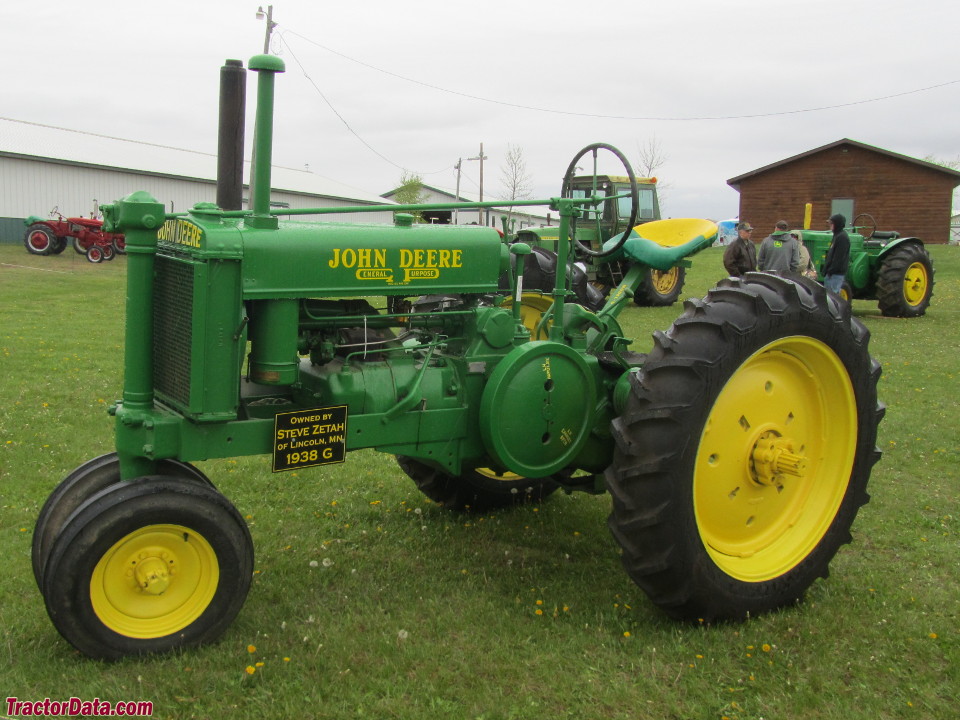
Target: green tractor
<point>615,215</point>
<point>303,341</point>
<point>896,271</point>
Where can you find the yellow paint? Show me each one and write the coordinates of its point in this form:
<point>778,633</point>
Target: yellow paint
<point>676,231</point>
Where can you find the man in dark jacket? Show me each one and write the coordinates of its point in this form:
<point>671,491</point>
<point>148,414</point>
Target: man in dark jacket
<point>838,255</point>
<point>741,255</point>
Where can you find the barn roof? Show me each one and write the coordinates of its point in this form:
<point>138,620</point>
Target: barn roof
<point>53,144</point>
<point>735,181</point>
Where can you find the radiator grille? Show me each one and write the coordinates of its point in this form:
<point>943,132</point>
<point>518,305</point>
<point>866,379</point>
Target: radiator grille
<point>173,328</point>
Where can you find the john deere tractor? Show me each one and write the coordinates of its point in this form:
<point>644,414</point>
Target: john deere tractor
<point>896,271</point>
<point>736,451</point>
<point>597,224</point>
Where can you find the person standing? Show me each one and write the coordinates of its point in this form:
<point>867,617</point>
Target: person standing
<point>838,255</point>
<point>779,251</point>
<point>806,262</point>
<point>741,255</point>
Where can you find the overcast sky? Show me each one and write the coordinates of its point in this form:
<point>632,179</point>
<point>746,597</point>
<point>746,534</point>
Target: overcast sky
<point>424,82</point>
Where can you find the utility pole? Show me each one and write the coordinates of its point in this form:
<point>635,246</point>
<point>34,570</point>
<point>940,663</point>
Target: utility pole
<point>456,212</point>
<point>481,157</point>
<point>270,26</point>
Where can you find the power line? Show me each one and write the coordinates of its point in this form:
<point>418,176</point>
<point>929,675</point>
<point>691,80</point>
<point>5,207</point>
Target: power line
<point>343,120</point>
<point>555,111</point>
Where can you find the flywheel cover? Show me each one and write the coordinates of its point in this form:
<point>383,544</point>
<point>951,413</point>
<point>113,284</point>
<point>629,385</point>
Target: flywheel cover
<point>537,407</point>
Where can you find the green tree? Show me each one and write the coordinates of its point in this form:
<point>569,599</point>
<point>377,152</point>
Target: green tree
<point>411,192</point>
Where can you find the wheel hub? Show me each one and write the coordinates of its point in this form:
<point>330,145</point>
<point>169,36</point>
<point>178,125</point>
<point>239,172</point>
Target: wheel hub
<point>152,569</point>
<point>773,457</point>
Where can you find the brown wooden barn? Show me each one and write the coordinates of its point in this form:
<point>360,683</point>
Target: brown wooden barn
<point>902,193</point>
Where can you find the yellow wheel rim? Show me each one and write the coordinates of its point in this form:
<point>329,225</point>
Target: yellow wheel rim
<point>494,475</point>
<point>665,282</point>
<point>775,458</point>
<point>532,308</point>
<point>915,284</point>
<point>154,581</point>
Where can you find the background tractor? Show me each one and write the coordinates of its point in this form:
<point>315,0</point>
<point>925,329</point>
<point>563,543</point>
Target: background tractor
<point>303,341</point>
<point>614,215</point>
<point>896,271</point>
<point>51,236</point>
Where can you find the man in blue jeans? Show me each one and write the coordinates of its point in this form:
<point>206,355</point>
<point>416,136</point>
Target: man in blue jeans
<point>838,255</point>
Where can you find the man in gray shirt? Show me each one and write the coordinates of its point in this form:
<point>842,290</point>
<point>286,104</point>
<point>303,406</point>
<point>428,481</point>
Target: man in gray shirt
<point>779,251</point>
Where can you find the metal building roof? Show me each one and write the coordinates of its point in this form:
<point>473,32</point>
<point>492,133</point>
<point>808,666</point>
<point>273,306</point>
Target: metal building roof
<point>46,142</point>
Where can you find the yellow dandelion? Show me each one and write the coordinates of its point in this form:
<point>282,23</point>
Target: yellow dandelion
<point>538,611</point>
<point>251,648</point>
<point>539,602</point>
<point>626,633</point>
<point>259,664</point>
<point>251,669</point>
<point>286,659</point>
<point>765,647</point>
<point>933,636</point>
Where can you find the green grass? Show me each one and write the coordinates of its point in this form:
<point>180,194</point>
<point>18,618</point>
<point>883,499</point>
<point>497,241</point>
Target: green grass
<point>369,601</point>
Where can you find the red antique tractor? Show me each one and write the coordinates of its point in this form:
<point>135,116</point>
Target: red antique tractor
<point>49,237</point>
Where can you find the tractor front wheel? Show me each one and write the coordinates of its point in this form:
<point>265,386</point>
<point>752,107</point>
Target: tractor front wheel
<point>659,289</point>
<point>743,452</point>
<point>147,566</point>
<point>905,281</point>
<point>94,254</point>
<point>477,490</point>
<point>39,240</point>
<point>78,487</point>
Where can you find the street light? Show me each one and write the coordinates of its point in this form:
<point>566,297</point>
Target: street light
<point>270,26</point>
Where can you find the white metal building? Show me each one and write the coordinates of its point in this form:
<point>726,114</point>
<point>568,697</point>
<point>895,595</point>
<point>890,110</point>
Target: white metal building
<point>43,166</point>
<point>520,217</point>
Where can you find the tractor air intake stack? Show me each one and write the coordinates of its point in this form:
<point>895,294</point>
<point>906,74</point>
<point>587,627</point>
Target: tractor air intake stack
<point>267,66</point>
<point>233,101</point>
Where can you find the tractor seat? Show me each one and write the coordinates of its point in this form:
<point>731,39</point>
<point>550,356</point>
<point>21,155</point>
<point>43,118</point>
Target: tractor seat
<point>884,235</point>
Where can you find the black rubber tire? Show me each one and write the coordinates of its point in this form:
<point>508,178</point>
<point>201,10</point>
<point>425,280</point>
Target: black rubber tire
<point>650,294</point>
<point>206,520</point>
<point>94,254</point>
<point>59,246</point>
<point>672,408</point>
<point>897,267</point>
<point>475,491</point>
<point>39,239</point>
<point>78,247</point>
<point>119,247</point>
<point>80,485</point>
<point>108,253</point>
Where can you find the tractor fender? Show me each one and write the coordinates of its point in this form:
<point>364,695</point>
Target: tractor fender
<point>899,241</point>
<point>33,219</point>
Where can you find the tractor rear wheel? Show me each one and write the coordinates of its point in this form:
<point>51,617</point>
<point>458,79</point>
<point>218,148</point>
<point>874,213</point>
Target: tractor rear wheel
<point>476,490</point>
<point>78,487</point>
<point>59,246</point>
<point>659,289</point>
<point>743,453</point>
<point>147,566</point>
<point>39,239</point>
<point>905,281</point>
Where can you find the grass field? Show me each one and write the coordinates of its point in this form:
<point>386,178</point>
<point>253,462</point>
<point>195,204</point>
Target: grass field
<point>370,602</point>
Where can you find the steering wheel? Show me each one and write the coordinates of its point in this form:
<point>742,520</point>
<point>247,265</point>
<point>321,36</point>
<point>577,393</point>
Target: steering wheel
<point>871,223</point>
<point>567,192</point>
